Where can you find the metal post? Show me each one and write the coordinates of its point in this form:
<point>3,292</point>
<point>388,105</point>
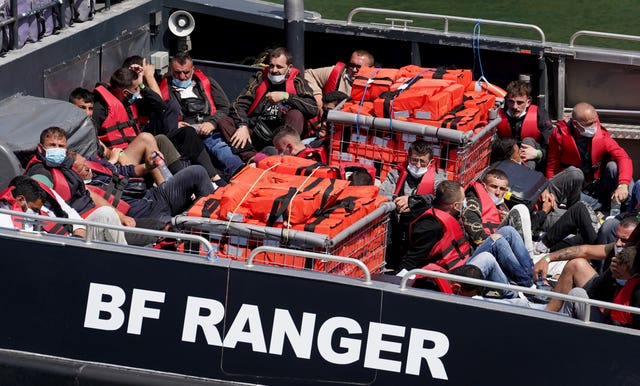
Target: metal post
<point>294,29</point>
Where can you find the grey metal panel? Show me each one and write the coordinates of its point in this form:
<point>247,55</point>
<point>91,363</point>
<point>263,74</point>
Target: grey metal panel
<point>117,50</point>
<point>81,71</point>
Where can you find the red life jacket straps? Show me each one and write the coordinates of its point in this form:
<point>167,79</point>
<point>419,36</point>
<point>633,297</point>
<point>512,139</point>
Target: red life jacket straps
<point>333,82</point>
<point>261,90</point>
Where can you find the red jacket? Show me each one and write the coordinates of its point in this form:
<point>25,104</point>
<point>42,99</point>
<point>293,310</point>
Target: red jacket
<point>118,129</point>
<point>529,125</point>
<point>333,82</point>
<point>427,181</point>
<point>490,214</point>
<point>453,250</point>
<point>623,297</point>
<point>563,152</point>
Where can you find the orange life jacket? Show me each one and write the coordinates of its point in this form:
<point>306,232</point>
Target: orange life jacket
<point>317,154</point>
<point>50,227</point>
<point>264,85</point>
<point>529,125</point>
<point>426,185</point>
<point>490,215</point>
<point>453,249</point>
<point>298,166</point>
<point>204,82</point>
<point>371,82</point>
<point>623,297</point>
<point>117,130</point>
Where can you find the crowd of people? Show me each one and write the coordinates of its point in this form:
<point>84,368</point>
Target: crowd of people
<point>163,143</point>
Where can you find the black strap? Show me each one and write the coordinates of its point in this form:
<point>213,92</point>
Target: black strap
<point>347,203</point>
<point>279,207</point>
<point>439,73</point>
<point>306,170</point>
<point>209,206</point>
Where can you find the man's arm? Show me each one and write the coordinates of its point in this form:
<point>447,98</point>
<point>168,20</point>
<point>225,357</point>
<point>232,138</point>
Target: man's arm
<point>220,99</point>
<point>472,220</point>
<point>317,78</point>
<point>303,100</point>
<point>78,229</point>
<point>100,201</point>
<point>590,252</point>
<point>426,232</point>
<point>553,154</point>
<point>621,158</point>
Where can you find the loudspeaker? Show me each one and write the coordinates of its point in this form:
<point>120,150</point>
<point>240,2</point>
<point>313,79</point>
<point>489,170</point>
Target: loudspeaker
<point>181,23</point>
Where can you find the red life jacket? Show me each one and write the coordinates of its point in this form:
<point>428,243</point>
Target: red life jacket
<point>204,82</point>
<point>315,153</point>
<point>333,82</point>
<point>18,222</point>
<point>426,185</point>
<point>453,249</point>
<point>117,130</point>
<point>115,188</point>
<point>67,190</point>
<point>490,215</point>
<point>529,125</point>
<point>623,297</point>
<point>264,85</point>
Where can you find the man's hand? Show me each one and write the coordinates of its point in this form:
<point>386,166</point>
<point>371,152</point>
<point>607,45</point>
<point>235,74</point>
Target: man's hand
<point>549,198</point>
<point>182,124</point>
<point>540,269</point>
<point>128,221</point>
<point>205,128</point>
<point>528,153</point>
<point>621,193</point>
<point>80,232</point>
<point>402,204</point>
<point>240,138</point>
<point>148,69</point>
<point>275,96</point>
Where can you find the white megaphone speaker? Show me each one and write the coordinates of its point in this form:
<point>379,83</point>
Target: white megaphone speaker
<point>181,24</point>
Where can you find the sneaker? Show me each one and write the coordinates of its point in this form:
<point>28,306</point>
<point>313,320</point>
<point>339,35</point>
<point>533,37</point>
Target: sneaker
<point>539,247</point>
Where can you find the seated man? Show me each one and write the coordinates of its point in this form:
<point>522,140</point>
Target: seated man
<point>52,163</point>
<point>582,143</point>
<point>526,123</point>
<point>160,203</point>
<point>321,128</point>
<point>411,186</point>
<point>486,210</point>
<point>433,234</point>
<point>338,77</point>
<point>84,99</point>
<point>202,104</point>
<point>275,96</point>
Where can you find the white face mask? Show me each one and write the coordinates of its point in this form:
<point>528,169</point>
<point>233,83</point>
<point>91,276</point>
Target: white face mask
<point>496,200</point>
<point>277,79</point>
<point>415,171</point>
<point>617,250</point>
<point>589,132</point>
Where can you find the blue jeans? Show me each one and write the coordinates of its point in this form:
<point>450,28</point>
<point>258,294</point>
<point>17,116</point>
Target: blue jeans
<point>511,255</point>
<point>491,271</point>
<point>222,156</point>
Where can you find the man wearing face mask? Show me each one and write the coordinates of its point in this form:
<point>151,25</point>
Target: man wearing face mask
<point>202,103</point>
<point>581,142</point>
<point>411,186</point>
<point>51,163</point>
<point>526,123</point>
<point>276,96</point>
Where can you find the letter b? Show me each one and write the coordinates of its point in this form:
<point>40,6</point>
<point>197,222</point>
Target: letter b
<point>96,305</point>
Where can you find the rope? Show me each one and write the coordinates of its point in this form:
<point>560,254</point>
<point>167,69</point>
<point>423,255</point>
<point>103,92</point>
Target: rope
<point>370,80</point>
<point>247,194</point>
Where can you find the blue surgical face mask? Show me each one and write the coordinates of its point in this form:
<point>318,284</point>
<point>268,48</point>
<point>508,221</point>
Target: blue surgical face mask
<point>135,96</point>
<point>621,282</point>
<point>617,250</point>
<point>181,83</point>
<point>55,155</point>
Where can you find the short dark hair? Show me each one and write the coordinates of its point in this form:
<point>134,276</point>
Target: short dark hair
<point>181,57</point>
<point>496,173</point>
<point>421,147</point>
<point>447,193</point>
<point>629,221</point>
<point>133,59</point>
<point>54,132</point>
<point>278,52</point>
<point>518,87</point>
<point>123,78</point>
<point>81,93</point>
<point>283,131</point>
<point>502,149</point>
<point>26,186</point>
<point>468,270</point>
<point>360,177</point>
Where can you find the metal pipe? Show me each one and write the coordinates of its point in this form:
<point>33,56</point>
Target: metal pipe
<point>294,30</point>
<point>597,34</point>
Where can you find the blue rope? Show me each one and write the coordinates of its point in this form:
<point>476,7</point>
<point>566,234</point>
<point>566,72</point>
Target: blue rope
<point>475,47</point>
<point>362,101</point>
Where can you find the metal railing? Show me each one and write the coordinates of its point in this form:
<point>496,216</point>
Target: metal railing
<point>445,19</point>
<point>598,34</point>
<point>493,285</point>
<point>310,255</point>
